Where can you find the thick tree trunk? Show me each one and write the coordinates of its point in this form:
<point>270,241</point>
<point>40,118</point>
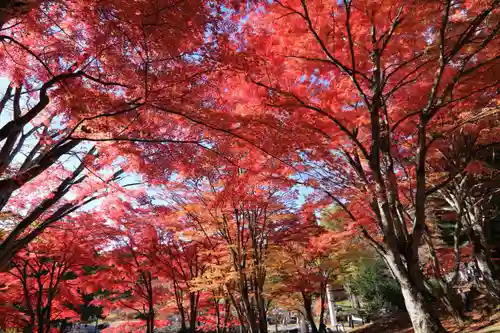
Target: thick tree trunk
<point>41,326</point>
<point>217,317</point>
<point>149,325</point>
<point>227,313</point>
<point>322,326</point>
<point>151,310</point>
<point>182,313</point>
<point>193,311</point>
<point>422,317</point>
<point>39,311</point>
<point>307,299</point>
<point>150,321</point>
<point>262,314</point>
<point>29,328</point>
<point>63,327</point>
<point>248,312</point>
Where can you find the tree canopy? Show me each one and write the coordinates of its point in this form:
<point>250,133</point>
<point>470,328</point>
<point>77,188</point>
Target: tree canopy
<point>213,160</point>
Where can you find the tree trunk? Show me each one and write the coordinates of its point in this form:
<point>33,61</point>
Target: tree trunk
<point>183,326</point>
<point>491,284</point>
<point>227,313</point>
<point>444,291</point>
<point>180,307</point>
<point>217,316</point>
<point>481,254</point>
<point>63,327</point>
<point>453,303</point>
<point>29,328</point>
<point>322,326</point>
<point>307,298</point>
<point>150,321</point>
<point>41,326</point>
<point>248,309</point>
<point>193,309</point>
<point>40,312</point>
<point>151,310</point>
<point>262,313</point>
<point>422,317</point>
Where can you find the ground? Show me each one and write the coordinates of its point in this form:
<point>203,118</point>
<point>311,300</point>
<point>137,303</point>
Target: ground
<point>481,322</point>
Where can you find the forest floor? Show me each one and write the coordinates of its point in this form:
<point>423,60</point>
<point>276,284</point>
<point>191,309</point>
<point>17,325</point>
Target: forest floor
<point>480,322</point>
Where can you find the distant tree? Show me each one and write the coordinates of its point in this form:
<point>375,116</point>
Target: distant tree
<point>45,278</point>
<point>378,291</point>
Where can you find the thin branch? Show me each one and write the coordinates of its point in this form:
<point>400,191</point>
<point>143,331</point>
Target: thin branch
<point>378,247</point>
<point>334,60</point>
<point>27,49</point>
